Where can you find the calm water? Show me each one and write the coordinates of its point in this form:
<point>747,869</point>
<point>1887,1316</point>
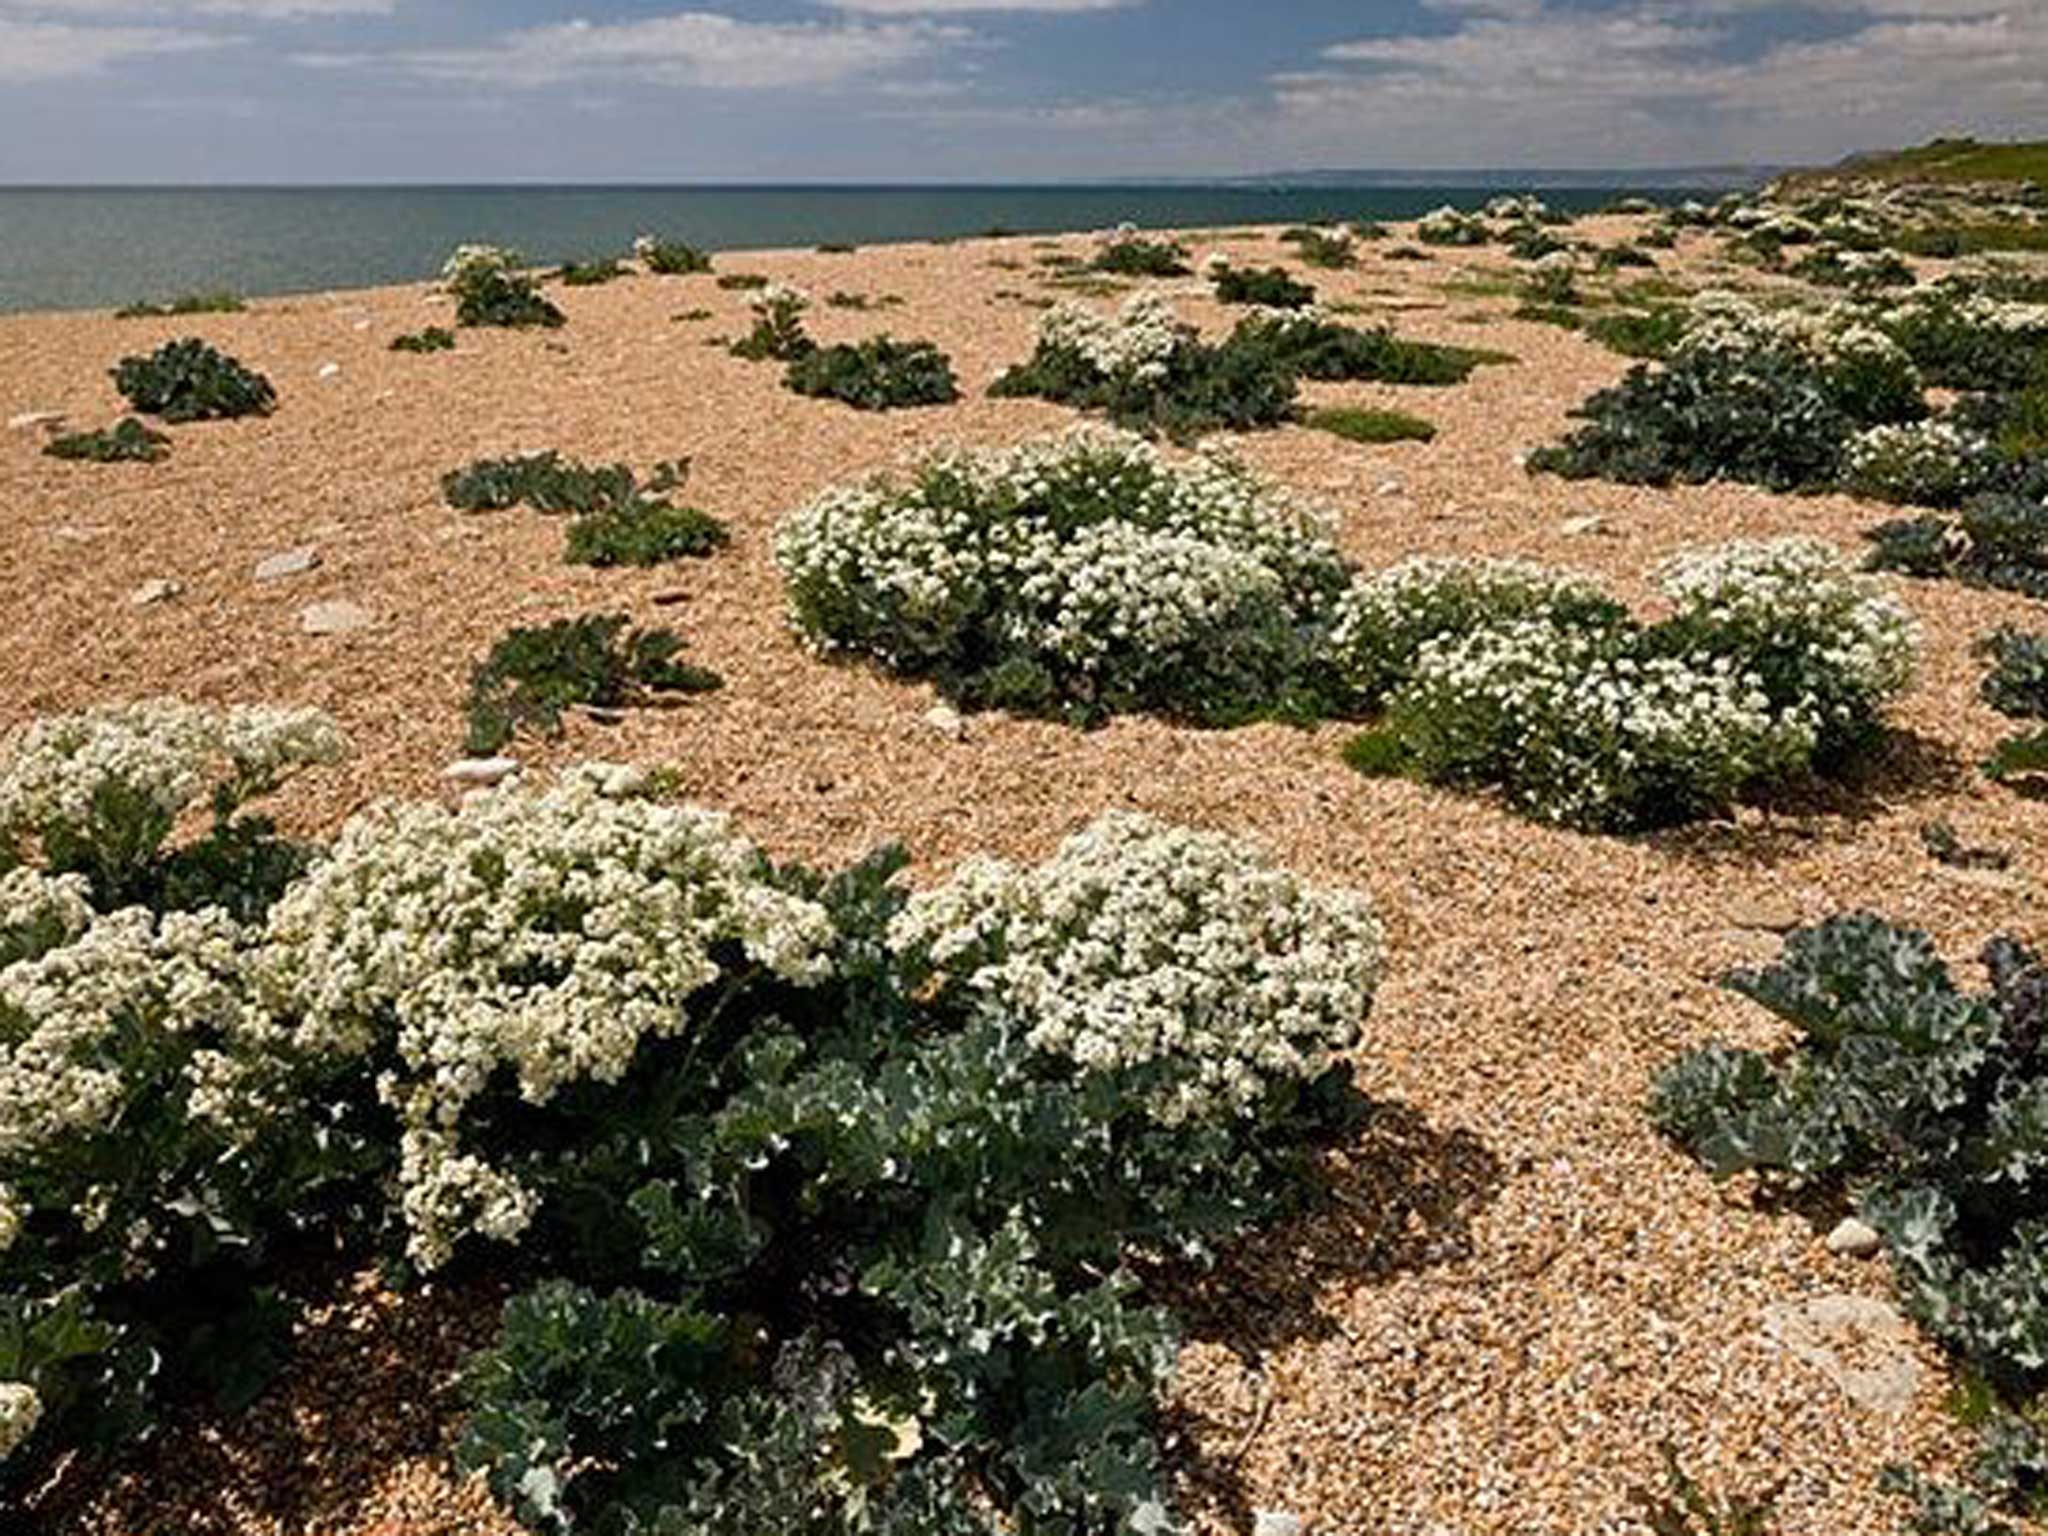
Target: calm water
<point>88,247</point>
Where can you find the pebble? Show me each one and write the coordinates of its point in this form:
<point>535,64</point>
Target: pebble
<point>1276,1522</point>
<point>946,720</point>
<point>670,598</point>
<point>1863,1345</point>
<point>481,770</point>
<point>1390,488</point>
<point>158,589</point>
<point>1589,522</point>
<point>1854,1239</point>
<point>330,370</point>
<point>334,617</point>
<point>1762,912</point>
<point>290,562</point>
<point>28,421</point>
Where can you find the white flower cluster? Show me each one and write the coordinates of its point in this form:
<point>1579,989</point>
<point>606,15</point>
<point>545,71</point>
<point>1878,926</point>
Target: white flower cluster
<point>1169,548</point>
<point>168,753</point>
<point>21,1409</point>
<point>1138,342</point>
<point>1579,731</point>
<point>779,301</point>
<point>1450,226</point>
<point>469,261</point>
<point>1140,947</point>
<point>1930,463</point>
<point>1384,618</point>
<point>1851,645</point>
<point>1958,303</point>
<point>1524,209</point>
<point>70,1015</point>
<point>545,935</point>
<point>1725,323</point>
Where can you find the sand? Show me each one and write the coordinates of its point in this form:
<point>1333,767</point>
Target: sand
<point>1526,1290</point>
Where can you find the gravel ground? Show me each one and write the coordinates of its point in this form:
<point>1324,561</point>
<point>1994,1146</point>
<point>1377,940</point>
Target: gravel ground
<point>1523,1292</point>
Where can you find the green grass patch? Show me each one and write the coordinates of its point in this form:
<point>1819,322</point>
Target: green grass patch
<point>1359,424</point>
<point>221,303</point>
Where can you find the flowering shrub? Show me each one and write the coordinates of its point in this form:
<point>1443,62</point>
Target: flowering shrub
<point>533,674</point>
<point>1830,266</point>
<point>1330,249</point>
<point>1962,338</point>
<point>1775,661</point>
<point>155,1141</point>
<point>1148,372</point>
<point>1082,575</point>
<point>1449,226</point>
<point>1771,398</point>
<point>878,374</point>
<point>1925,463</point>
<point>1924,1105</point>
<point>189,381</point>
<point>491,290</point>
<point>879,1235</point>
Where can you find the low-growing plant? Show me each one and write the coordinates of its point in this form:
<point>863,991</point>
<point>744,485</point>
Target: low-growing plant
<point>1450,226</point>
<point>128,440</point>
<point>1998,540</point>
<point>1331,250</point>
<point>1616,258</point>
<point>1641,333</point>
<point>1269,287</point>
<point>435,338</point>
<point>1078,576</point>
<point>2017,687</point>
<point>1775,663</point>
<point>1126,252</point>
<point>878,374</point>
<point>1358,424</point>
<point>670,258</point>
<point>533,675</point>
<point>589,274</point>
<point>222,302</point>
<point>1923,463</point>
<point>1317,347</point>
<point>547,482</point>
<point>778,332</point>
<point>189,381</point>
<point>744,282</point>
<point>642,532</point>
<point>1684,1508</point>
<point>491,290</point>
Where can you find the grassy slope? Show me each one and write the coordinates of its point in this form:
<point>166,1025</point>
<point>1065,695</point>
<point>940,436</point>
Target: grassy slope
<point>1945,160</point>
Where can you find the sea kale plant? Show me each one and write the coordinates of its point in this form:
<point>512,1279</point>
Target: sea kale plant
<point>126,441</point>
<point>1082,575</point>
<point>435,338</point>
<point>1928,463</point>
<point>1148,372</point>
<point>189,381</point>
<point>619,520</point>
<point>491,289</point>
<point>878,374</point>
<point>1998,540</point>
<point>1924,1107</point>
<point>153,1159</point>
<point>1776,662</point>
<point>1268,287</point>
<point>669,258</point>
<point>2017,687</point>
<point>1767,397</point>
<point>533,675</point>
<point>778,332</point>
<point>1127,253</point>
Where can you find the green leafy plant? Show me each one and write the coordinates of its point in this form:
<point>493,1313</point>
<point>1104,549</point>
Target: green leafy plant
<point>1999,540</point>
<point>1683,1508</point>
<point>1130,254</point>
<point>1329,249</point>
<point>491,290</point>
<point>670,258</point>
<point>589,274</point>
<point>743,282</point>
<point>1641,333</point>
<point>189,381</point>
<point>222,302</point>
<point>1319,348</point>
<point>778,334</point>
<point>878,374</point>
<point>533,675</point>
<point>435,338</point>
<point>1270,287</point>
<point>642,532</point>
<point>1359,425</point>
<point>128,440</point>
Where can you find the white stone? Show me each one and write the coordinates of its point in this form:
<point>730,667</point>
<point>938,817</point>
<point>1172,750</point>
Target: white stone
<point>157,589</point>
<point>1276,1522</point>
<point>946,720</point>
<point>1854,1239</point>
<point>290,562</point>
<point>1863,1345</point>
<point>481,770</point>
<point>334,617</point>
<point>1390,488</point>
<point>330,370</point>
<point>1587,522</point>
<point>28,421</point>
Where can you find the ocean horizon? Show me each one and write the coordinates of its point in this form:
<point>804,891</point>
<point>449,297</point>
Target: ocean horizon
<point>92,247</point>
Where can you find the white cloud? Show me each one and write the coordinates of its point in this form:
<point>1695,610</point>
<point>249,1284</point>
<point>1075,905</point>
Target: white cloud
<point>952,7</point>
<point>36,50</point>
<point>694,48</point>
<point>159,11</point>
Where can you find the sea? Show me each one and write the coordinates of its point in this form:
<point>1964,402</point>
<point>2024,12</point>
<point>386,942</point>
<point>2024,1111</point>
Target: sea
<point>85,248</point>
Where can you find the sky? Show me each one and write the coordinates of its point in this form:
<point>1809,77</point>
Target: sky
<point>994,90</point>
